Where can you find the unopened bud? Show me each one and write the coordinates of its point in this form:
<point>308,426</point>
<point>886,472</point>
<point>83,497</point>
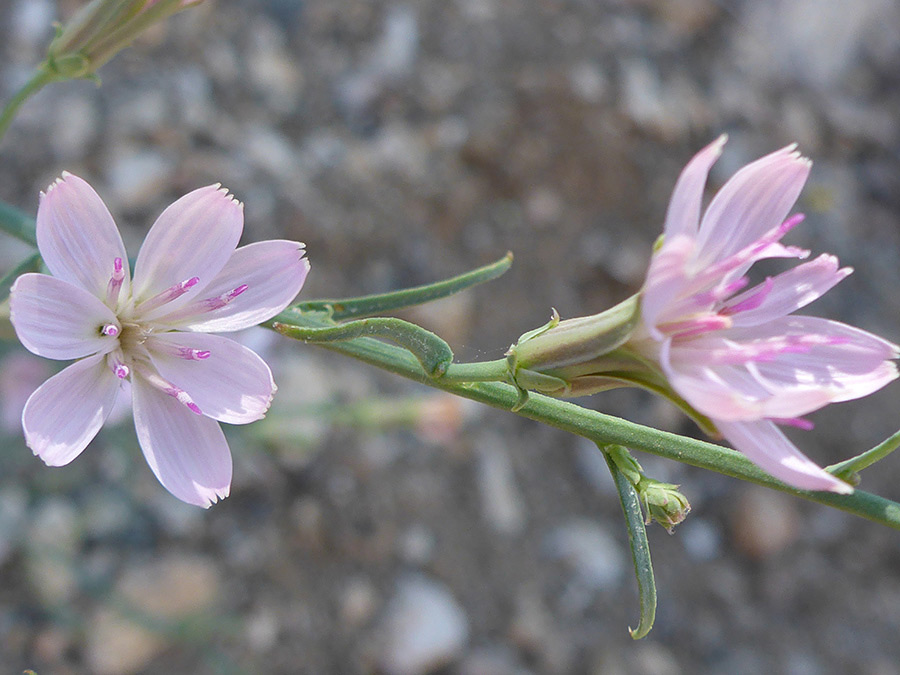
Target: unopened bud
<point>663,503</point>
<point>100,29</point>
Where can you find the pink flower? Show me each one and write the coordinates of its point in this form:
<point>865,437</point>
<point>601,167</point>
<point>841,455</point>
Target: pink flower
<point>740,356</point>
<point>153,331</point>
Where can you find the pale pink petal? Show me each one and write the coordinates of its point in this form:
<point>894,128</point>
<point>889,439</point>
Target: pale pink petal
<point>258,281</point>
<point>194,237</point>
<point>58,320</point>
<point>77,236</point>
<point>849,348</point>
<point>767,447</point>
<point>787,292</point>
<point>226,380</point>
<point>815,372</point>
<point>683,214</point>
<point>735,394</point>
<point>187,452</point>
<point>65,413</point>
<point>754,201</point>
<point>666,280</point>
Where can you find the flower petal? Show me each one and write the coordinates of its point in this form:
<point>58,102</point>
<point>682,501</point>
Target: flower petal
<point>194,237</point>
<point>734,394</point>
<point>188,453</point>
<point>65,413</point>
<point>57,319</point>
<point>767,447</point>
<point>787,292</point>
<point>754,201</point>
<point>273,273</point>
<point>683,214</point>
<point>77,237</point>
<point>666,279</point>
<point>232,384</point>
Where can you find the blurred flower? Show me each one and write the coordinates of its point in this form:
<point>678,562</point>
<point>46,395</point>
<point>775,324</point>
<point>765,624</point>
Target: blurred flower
<point>152,330</point>
<point>20,373</point>
<point>102,28</point>
<point>737,360</point>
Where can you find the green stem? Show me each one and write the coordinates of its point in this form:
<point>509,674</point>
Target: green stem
<point>41,78</point>
<point>850,467</point>
<point>17,223</point>
<point>368,305</point>
<point>600,428</point>
<point>637,540</point>
<point>485,371</point>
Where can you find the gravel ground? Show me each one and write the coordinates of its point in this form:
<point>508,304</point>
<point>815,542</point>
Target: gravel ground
<point>374,527</point>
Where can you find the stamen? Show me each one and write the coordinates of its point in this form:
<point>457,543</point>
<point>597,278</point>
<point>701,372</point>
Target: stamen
<point>115,283</point>
<point>183,398</point>
<point>220,301</point>
<point>110,330</point>
<point>753,300</point>
<point>167,387</point>
<point>167,295</point>
<point>207,305</point>
<point>118,365</point>
<point>193,354</point>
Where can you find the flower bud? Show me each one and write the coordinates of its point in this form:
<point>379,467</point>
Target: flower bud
<point>663,503</point>
<point>100,29</point>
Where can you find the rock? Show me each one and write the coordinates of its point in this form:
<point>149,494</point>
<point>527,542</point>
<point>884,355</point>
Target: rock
<point>261,630</point>
<point>390,60</point>
<point>501,503</point>
<point>417,545</point>
<point>423,628</point>
<point>701,539</point>
<point>137,177</point>
<point>54,537</point>
<point>594,557</point>
<point>76,127</point>
<point>162,591</point>
<point>496,660</point>
<point>764,522</point>
<point>358,602</point>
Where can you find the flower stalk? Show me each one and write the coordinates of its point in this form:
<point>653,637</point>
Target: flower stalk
<point>595,426</point>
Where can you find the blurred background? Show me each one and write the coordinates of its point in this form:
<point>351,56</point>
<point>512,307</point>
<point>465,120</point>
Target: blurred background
<point>375,526</point>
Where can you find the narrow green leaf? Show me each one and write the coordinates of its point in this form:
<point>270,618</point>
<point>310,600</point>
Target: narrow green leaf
<point>30,264</point>
<point>640,547</point>
<point>434,355</point>
<point>17,223</point>
<point>370,305</point>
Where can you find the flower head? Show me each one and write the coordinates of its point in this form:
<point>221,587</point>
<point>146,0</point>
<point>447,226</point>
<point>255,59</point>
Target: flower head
<point>736,359</point>
<point>740,356</point>
<point>152,331</point>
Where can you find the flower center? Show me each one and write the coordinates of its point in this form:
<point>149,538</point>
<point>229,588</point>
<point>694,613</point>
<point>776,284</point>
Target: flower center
<point>133,337</point>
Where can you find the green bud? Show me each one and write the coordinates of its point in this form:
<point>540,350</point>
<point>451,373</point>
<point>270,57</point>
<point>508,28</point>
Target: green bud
<point>564,343</point>
<point>100,29</point>
<point>663,503</point>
